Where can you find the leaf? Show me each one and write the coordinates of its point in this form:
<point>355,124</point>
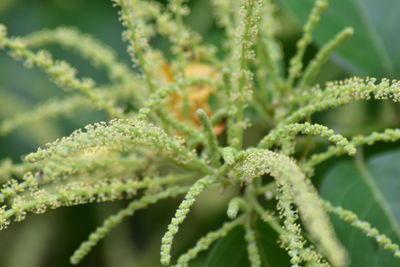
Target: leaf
<point>373,50</point>
<point>231,250</point>
<point>371,190</point>
<point>271,253</point>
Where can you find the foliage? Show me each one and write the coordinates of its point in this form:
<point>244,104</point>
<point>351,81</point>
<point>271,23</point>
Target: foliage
<point>370,193</point>
<point>373,22</point>
<point>178,126</point>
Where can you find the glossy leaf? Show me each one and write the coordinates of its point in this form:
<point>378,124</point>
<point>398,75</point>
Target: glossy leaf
<point>371,190</point>
<point>373,50</point>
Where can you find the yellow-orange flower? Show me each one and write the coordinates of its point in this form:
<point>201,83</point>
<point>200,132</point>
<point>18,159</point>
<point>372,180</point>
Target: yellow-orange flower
<point>197,95</point>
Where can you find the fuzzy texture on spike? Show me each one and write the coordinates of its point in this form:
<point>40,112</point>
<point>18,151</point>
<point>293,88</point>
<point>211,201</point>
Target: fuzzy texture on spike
<point>87,46</point>
<point>60,72</point>
<point>388,135</point>
<point>296,62</point>
<point>212,142</point>
<point>257,162</point>
<point>122,135</point>
<point>154,128</point>
<point>252,249</point>
<point>289,131</point>
<point>340,93</point>
<point>180,215</point>
<point>76,193</point>
<point>351,218</point>
<point>116,219</point>
<point>323,55</point>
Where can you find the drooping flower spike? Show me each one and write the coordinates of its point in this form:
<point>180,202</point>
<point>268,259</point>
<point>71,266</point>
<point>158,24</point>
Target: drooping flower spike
<point>180,125</point>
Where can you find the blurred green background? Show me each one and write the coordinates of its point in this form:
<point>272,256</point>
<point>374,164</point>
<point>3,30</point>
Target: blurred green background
<point>49,240</point>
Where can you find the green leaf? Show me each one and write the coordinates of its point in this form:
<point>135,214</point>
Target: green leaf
<point>271,253</point>
<point>371,190</point>
<point>373,50</point>
<point>231,250</point>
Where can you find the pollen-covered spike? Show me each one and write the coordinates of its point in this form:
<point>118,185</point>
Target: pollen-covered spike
<point>58,71</point>
<point>138,34</point>
<point>280,134</point>
<point>252,248</point>
<point>388,135</point>
<point>180,215</point>
<point>29,198</point>
<point>87,46</point>
<point>212,142</point>
<point>257,162</point>
<point>340,93</point>
<point>296,63</point>
<point>242,77</point>
<point>117,135</point>
<point>322,56</point>
<point>193,136</point>
<point>370,231</point>
<point>116,219</point>
<point>291,237</point>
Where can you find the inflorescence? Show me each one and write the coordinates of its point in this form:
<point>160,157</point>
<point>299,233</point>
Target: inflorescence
<point>160,116</point>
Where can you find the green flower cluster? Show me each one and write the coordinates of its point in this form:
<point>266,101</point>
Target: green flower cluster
<point>147,153</point>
